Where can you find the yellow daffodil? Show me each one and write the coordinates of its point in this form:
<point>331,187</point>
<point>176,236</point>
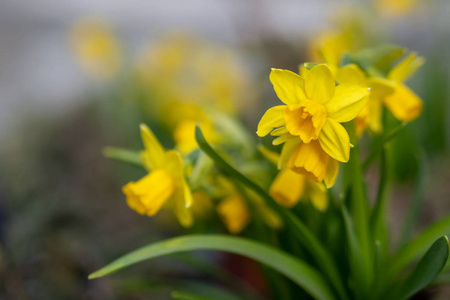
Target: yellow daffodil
<point>165,182</point>
<point>233,208</point>
<point>309,121</point>
<point>184,134</point>
<point>380,87</point>
<point>329,47</point>
<point>234,213</point>
<point>289,187</point>
<point>404,104</point>
<point>396,8</point>
<point>191,65</point>
<point>96,48</point>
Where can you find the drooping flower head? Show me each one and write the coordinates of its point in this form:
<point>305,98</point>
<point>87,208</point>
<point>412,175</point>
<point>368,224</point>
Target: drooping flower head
<point>164,183</point>
<point>403,103</point>
<point>289,187</point>
<point>309,122</point>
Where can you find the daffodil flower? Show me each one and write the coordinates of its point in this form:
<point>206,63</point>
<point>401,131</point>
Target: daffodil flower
<point>96,48</point>
<point>380,88</point>
<point>165,182</point>
<point>309,122</point>
<point>404,104</point>
<point>234,213</point>
<point>289,187</point>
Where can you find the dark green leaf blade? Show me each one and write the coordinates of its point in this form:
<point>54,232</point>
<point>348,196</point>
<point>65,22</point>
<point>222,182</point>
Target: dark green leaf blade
<point>296,270</point>
<point>426,270</point>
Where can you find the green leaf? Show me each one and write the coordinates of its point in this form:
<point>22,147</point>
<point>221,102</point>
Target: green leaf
<point>359,206</point>
<point>298,229</point>
<point>296,270</point>
<point>123,155</point>
<point>379,58</point>
<point>427,269</point>
<point>360,272</point>
<point>412,250</point>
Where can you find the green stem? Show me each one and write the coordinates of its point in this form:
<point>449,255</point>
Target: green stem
<point>377,147</point>
<point>358,204</point>
<point>381,205</point>
<point>298,229</point>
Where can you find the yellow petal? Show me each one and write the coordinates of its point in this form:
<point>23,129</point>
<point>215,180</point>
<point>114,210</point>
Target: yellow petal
<point>335,141</point>
<point>148,195</point>
<point>406,68</point>
<point>319,84</point>
<point>318,195</point>
<point>287,151</point>
<point>288,187</point>
<point>348,101</point>
<point>271,119</point>
<point>309,159</point>
<point>279,131</point>
<point>174,164</point>
<point>182,212</point>
<point>280,140</point>
<point>290,87</point>
<point>153,150</point>
<point>350,74</point>
<point>234,214</point>
<point>362,120</point>
<point>331,174</point>
<point>404,104</point>
<point>375,109</point>
<point>380,87</point>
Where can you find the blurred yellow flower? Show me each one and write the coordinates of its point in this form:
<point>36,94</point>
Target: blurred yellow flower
<point>182,118</point>
<point>310,118</point>
<point>380,87</point>
<point>329,46</point>
<point>165,182</point>
<point>404,104</point>
<point>234,213</point>
<point>289,187</point>
<point>233,208</point>
<point>96,48</point>
<point>396,8</point>
<point>349,34</point>
<point>184,69</point>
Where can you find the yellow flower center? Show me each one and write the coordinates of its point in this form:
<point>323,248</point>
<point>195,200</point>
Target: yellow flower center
<point>305,121</point>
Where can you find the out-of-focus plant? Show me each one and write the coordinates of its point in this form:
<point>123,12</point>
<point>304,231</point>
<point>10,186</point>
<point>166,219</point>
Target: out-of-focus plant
<point>96,48</point>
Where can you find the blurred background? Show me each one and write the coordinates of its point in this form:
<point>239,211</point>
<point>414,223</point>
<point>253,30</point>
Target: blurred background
<point>76,76</point>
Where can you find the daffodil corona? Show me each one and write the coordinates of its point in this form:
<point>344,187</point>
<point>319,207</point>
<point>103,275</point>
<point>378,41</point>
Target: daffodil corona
<point>165,182</point>
<point>309,122</point>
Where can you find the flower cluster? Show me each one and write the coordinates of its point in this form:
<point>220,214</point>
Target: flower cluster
<point>309,122</point>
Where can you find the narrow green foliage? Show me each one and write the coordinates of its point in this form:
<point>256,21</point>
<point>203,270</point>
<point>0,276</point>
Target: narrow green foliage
<point>298,229</point>
<point>293,268</point>
<point>426,270</point>
<point>123,155</point>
